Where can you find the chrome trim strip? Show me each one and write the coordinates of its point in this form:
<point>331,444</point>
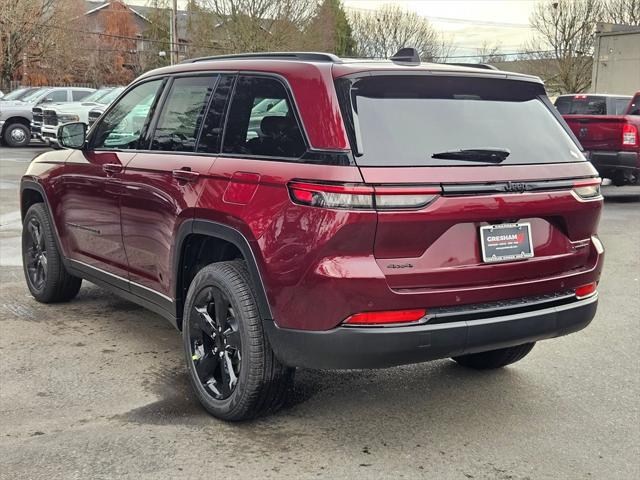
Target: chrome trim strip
<point>118,277</point>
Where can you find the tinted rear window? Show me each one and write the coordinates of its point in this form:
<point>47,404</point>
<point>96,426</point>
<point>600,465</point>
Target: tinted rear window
<point>592,105</point>
<point>404,120</point>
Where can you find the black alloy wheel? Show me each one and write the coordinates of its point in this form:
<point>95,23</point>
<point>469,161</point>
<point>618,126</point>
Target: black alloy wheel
<point>35,254</point>
<point>214,339</point>
<point>44,271</point>
<point>233,370</point>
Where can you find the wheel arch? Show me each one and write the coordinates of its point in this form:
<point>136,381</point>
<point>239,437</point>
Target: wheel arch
<point>234,244</point>
<point>30,195</point>
<point>16,119</point>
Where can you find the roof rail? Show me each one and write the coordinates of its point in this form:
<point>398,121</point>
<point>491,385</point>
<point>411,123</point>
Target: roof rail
<point>303,56</point>
<point>484,66</point>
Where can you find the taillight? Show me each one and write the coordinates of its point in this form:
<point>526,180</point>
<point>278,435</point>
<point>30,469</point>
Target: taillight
<point>390,198</point>
<point>629,135</point>
<point>587,189</point>
<point>361,196</point>
<point>586,290</point>
<point>386,317</point>
<point>332,196</point>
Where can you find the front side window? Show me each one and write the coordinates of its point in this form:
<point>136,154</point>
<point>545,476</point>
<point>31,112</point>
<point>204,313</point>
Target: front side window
<point>122,127</point>
<point>80,94</point>
<point>179,123</point>
<point>261,120</point>
<point>56,96</point>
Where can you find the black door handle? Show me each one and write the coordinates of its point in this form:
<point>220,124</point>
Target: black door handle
<point>185,174</point>
<point>112,168</point>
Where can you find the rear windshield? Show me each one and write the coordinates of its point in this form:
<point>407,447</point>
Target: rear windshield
<point>406,120</point>
<point>592,105</point>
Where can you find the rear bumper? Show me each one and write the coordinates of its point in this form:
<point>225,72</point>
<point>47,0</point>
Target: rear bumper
<point>606,162</point>
<point>379,347</point>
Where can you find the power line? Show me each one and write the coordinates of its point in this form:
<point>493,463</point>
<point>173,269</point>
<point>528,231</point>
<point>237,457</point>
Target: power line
<point>467,21</point>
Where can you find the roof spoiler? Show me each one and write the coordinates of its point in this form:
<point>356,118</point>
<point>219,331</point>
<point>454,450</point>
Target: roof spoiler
<point>484,66</point>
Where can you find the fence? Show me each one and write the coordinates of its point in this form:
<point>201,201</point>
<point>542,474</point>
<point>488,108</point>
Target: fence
<point>18,84</point>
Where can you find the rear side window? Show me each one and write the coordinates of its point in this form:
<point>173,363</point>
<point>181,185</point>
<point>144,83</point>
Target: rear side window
<point>619,105</point>
<point>179,122</point>
<point>634,106</point>
<point>78,95</point>
<point>261,120</point>
<point>591,105</point>
<point>413,120</point>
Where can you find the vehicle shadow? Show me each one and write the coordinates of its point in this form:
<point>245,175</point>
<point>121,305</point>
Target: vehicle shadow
<point>410,401</point>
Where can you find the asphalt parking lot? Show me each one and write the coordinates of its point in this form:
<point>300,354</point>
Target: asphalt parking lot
<point>96,388</point>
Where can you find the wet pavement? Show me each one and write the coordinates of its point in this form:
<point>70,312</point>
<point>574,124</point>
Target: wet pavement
<point>96,388</point>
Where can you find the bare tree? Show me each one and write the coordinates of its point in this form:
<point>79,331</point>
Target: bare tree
<point>260,25</point>
<point>562,51</point>
<point>381,33</point>
<point>490,53</point>
<point>40,41</point>
<point>625,12</point>
<point>22,35</point>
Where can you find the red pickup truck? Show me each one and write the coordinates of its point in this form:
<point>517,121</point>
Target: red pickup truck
<point>608,128</point>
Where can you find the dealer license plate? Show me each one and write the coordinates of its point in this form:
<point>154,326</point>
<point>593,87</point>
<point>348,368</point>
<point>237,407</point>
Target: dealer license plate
<point>506,242</point>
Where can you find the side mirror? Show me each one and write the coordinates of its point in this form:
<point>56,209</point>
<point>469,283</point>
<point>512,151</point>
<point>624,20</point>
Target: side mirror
<point>72,135</point>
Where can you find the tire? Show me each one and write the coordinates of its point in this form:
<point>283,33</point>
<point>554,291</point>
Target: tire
<point>44,271</point>
<point>495,358</point>
<point>17,135</point>
<point>232,368</point>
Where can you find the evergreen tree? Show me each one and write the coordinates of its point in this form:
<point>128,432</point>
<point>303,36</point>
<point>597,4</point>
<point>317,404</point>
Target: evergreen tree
<point>329,30</point>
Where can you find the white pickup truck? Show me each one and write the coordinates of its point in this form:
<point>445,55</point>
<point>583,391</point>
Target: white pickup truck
<point>16,116</point>
<point>55,115</point>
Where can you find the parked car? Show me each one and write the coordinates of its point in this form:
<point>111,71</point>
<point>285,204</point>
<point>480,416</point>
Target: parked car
<point>607,127</point>
<point>375,223</point>
<point>94,114</point>
<point>18,93</point>
<point>58,114</point>
<point>37,112</point>
<point>16,116</point>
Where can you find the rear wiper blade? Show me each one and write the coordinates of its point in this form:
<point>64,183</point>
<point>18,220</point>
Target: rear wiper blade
<point>489,155</point>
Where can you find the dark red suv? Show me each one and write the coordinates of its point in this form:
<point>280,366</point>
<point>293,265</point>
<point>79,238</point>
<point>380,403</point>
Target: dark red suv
<point>298,210</point>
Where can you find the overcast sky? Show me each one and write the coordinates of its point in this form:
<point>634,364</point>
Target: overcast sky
<point>468,22</point>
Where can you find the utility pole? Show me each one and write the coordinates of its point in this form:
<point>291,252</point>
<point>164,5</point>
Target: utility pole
<point>174,30</point>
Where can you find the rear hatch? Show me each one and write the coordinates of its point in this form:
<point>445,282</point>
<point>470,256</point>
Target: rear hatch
<point>597,132</point>
<point>492,153</point>
<point>597,120</point>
